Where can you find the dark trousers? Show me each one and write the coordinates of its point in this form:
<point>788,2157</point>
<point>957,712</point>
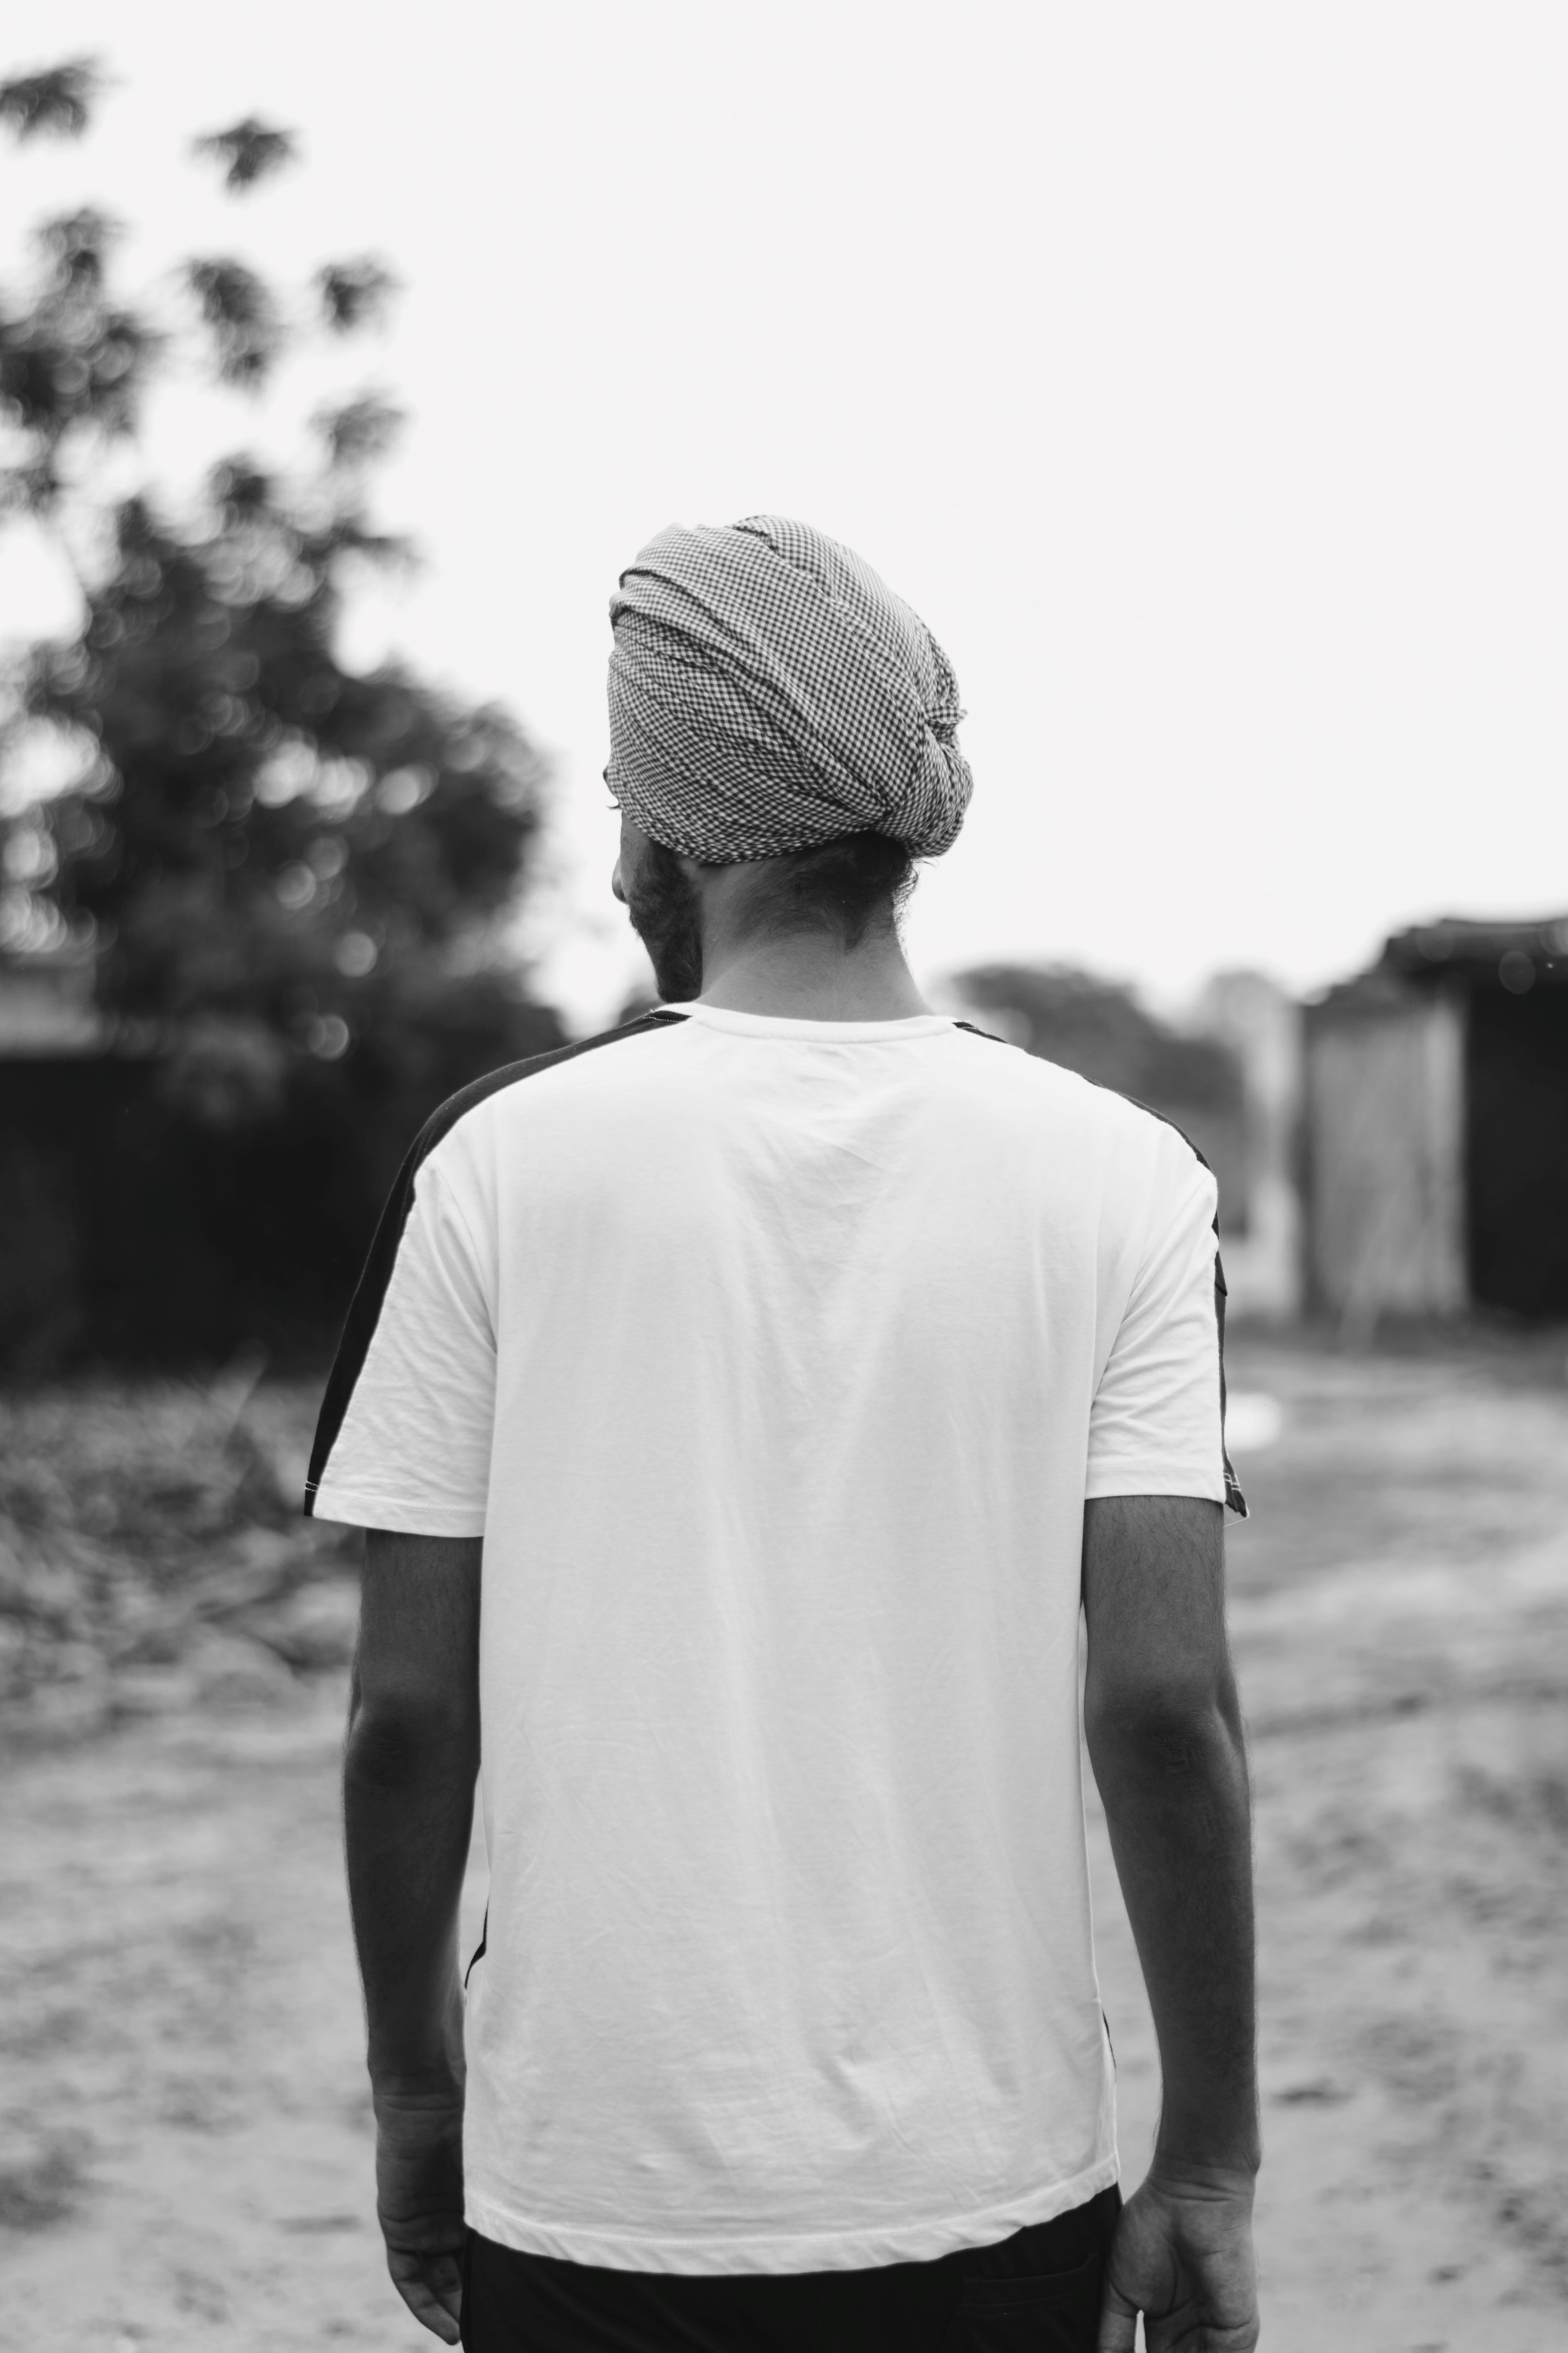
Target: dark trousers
<point>1037,2292</point>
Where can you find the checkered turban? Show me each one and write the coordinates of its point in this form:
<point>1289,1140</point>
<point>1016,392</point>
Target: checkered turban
<point>768,692</point>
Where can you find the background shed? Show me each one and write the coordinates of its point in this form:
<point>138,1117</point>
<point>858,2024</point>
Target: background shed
<point>1437,1126</point>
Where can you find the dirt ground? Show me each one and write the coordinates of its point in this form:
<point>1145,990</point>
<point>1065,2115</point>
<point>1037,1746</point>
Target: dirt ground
<point>185,2152</point>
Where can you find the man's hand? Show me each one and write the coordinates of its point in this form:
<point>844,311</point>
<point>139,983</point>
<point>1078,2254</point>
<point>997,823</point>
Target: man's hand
<point>1164,1724</point>
<point>419,2201</point>
<point>1183,2257</point>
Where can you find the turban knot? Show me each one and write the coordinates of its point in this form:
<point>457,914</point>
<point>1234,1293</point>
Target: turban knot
<point>768,692</point>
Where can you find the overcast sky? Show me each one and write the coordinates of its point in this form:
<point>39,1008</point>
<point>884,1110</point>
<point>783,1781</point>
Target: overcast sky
<point>1198,373</point>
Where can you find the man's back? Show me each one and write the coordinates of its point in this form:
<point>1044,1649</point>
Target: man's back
<point>768,1357</point>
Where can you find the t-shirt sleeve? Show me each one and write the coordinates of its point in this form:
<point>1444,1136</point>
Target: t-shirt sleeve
<point>406,1428</point>
<point>1156,1426</point>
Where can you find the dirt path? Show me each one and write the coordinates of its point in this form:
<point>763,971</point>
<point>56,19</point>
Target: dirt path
<point>1400,1612</point>
<point>185,2152</point>
<point>189,2159</point>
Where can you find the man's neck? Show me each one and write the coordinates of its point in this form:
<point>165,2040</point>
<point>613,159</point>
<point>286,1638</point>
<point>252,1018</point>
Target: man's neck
<point>811,979</point>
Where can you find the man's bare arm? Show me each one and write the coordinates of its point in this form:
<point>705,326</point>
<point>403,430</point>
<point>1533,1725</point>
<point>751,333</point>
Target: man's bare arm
<point>410,1763</point>
<point>1164,1726</point>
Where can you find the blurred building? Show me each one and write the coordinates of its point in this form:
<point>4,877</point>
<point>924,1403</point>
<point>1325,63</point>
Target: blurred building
<point>1436,1127</point>
<point>1253,1016</point>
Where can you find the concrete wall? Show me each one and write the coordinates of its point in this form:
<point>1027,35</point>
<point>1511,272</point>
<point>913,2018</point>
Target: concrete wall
<point>1262,1253</point>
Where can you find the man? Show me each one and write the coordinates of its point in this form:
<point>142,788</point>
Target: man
<point>799,1362</point>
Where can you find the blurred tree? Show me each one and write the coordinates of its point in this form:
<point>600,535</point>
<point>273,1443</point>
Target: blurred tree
<point>59,99</point>
<point>1099,1029</point>
<point>286,874</point>
<point>248,150</point>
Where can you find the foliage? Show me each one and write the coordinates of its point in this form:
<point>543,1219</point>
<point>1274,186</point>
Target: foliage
<point>263,840</point>
<point>353,293</point>
<point>277,865</point>
<point>59,99</point>
<point>1100,1030</point>
<point>239,312</point>
<point>248,150</point>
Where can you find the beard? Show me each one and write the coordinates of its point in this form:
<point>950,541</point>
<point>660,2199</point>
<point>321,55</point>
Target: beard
<point>662,905</point>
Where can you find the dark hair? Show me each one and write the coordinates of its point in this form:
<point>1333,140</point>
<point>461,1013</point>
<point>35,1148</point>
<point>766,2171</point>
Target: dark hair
<point>846,887</point>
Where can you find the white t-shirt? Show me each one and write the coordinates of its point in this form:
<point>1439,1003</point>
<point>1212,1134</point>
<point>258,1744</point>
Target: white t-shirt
<point>773,1360</point>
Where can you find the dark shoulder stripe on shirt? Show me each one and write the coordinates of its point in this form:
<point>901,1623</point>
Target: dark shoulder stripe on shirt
<point>364,1309</point>
<point>1234,1497</point>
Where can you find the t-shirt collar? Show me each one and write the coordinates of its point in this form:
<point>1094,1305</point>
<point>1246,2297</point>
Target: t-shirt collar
<point>820,1033</point>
